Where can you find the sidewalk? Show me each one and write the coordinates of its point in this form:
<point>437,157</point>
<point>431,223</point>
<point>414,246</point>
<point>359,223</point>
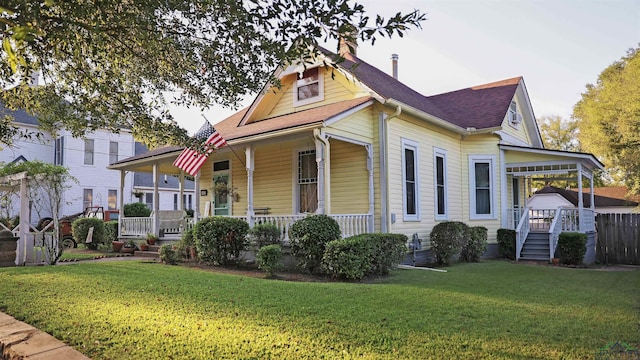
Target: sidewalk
<point>19,340</point>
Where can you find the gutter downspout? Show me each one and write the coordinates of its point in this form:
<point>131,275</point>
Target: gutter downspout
<point>385,221</point>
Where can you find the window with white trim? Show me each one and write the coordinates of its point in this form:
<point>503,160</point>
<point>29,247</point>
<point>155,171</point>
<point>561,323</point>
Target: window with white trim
<point>148,200</point>
<point>410,181</point>
<point>113,152</point>
<point>309,87</point>
<point>482,187</point>
<point>88,151</point>
<point>87,198</point>
<point>440,180</point>
<point>307,182</point>
<point>58,152</point>
<point>112,199</point>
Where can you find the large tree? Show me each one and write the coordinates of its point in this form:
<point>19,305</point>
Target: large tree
<point>608,118</point>
<point>558,133</point>
<point>109,64</point>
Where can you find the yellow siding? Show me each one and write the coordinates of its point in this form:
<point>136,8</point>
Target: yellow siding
<point>349,178</point>
<point>522,157</point>
<point>520,131</point>
<point>428,138</point>
<point>358,126</point>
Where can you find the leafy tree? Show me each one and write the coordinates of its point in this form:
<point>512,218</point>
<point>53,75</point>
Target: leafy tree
<point>558,133</point>
<point>109,64</point>
<point>608,117</point>
<point>47,183</point>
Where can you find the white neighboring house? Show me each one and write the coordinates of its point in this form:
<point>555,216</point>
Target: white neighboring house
<point>168,188</point>
<point>607,200</point>
<point>86,159</point>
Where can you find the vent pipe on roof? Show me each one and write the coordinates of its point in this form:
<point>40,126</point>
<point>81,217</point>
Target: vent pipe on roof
<point>394,63</point>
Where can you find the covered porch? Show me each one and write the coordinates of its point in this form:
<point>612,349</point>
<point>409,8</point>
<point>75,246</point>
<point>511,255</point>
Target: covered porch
<point>264,181</point>
<point>538,230</point>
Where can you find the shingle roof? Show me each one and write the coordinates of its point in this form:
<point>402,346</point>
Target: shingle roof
<point>19,116</point>
<point>572,197</point>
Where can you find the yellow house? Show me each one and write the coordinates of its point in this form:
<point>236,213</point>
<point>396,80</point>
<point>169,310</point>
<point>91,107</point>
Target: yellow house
<point>353,142</point>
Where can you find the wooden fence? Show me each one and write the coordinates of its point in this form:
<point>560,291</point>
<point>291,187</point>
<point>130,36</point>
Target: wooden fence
<point>618,239</point>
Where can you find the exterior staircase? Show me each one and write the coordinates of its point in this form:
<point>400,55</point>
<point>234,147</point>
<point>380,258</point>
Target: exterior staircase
<point>536,247</point>
<point>152,253</point>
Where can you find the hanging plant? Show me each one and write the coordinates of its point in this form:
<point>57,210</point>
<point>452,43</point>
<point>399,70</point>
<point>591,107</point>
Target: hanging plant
<point>224,189</point>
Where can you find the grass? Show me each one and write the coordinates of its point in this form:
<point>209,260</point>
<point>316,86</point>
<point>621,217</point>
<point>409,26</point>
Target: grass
<point>491,310</point>
<point>82,253</point>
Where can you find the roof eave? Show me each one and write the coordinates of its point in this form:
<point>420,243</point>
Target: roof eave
<point>430,118</point>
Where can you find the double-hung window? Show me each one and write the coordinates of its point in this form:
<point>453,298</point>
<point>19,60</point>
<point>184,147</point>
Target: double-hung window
<point>87,198</point>
<point>410,181</point>
<point>58,152</point>
<point>307,182</point>
<point>482,186</point>
<point>113,152</point>
<point>309,87</point>
<point>112,203</point>
<point>440,180</point>
<point>88,151</point>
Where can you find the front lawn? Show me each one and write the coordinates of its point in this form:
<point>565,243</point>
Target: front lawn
<point>492,310</point>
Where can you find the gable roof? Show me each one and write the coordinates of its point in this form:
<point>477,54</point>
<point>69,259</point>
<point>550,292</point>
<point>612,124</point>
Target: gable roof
<point>599,200</point>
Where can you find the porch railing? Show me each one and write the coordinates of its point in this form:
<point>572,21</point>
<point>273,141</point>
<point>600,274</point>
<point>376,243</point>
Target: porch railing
<point>556,228</point>
<point>350,224</point>
<point>522,231</point>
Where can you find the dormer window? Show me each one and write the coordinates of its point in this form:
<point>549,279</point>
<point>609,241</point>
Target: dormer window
<point>309,87</point>
<point>513,115</point>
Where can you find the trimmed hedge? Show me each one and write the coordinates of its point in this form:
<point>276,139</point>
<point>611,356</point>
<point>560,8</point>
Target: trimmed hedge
<point>136,210</point>
<point>364,255</point>
<point>269,258</point>
<point>447,238</point>
<point>571,247</point>
<point>266,234</point>
<point>111,231</point>
<point>476,244</point>
<point>507,244</point>
<point>220,240</point>
<point>309,237</point>
<point>80,228</point>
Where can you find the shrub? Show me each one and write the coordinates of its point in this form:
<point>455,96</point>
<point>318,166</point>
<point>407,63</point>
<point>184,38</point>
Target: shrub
<point>309,237</point>
<point>388,251</point>
<point>447,239</point>
<point>268,258</point>
<point>185,244</point>
<point>80,228</point>
<point>348,258</point>
<point>476,244</point>
<point>507,244</point>
<point>136,210</point>
<point>168,255</point>
<point>571,247</point>
<point>266,234</point>
<point>219,240</point>
<point>111,231</point>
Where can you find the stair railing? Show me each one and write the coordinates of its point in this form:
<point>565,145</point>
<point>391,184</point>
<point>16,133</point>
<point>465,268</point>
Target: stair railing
<point>522,231</point>
<point>554,231</point>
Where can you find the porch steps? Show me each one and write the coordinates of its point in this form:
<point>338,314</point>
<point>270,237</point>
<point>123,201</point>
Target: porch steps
<point>152,253</point>
<point>536,247</point>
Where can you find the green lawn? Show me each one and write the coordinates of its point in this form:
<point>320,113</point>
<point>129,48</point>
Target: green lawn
<point>495,309</point>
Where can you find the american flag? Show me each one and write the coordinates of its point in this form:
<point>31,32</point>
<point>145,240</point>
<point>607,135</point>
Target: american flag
<point>191,160</point>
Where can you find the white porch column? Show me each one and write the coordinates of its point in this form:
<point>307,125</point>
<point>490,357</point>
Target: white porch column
<point>196,191</point>
<point>123,174</point>
<point>156,200</point>
<point>369,149</point>
<point>320,160</point>
<point>181,190</point>
<point>592,196</point>
<point>580,199</point>
<point>249,161</point>
<point>25,247</point>
<point>503,191</point>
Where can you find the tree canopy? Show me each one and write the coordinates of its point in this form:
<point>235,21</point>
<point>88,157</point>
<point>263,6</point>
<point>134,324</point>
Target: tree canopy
<point>558,133</point>
<point>109,64</point>
<point>608,118</point>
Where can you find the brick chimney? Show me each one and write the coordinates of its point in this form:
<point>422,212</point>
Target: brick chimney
<point>394,66</point>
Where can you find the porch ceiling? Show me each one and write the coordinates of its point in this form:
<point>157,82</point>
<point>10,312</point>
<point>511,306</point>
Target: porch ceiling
<point>525,160</point>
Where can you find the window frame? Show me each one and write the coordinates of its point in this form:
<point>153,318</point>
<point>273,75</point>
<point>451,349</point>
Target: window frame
<point>412,146</point>
<point>482,159</point>
<point>113,156</point>
<point>300,83</point>
<point>109,193</point>
<point>440,153</point>
<point>89,151</point>
<point>58,151</point>
<point>296,178</point>
<point>87,198</point>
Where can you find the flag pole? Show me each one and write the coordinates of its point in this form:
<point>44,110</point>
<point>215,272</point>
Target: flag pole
<point>233,151</point>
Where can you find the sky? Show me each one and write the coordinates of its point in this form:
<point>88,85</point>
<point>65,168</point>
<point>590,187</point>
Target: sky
<point>558,46</point>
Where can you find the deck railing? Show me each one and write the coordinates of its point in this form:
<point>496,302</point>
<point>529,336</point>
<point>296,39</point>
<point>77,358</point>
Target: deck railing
<point>135,226</point>
<point>522,231</point>
<point>557,226</point>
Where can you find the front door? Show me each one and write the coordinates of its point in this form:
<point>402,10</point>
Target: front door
<point>221,181</point>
